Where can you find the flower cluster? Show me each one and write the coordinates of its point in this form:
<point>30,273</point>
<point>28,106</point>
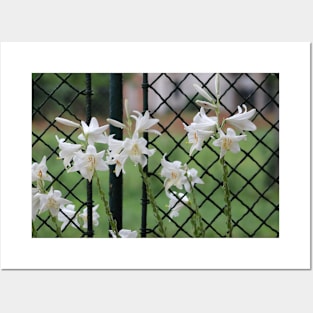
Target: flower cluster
<point>84,158</point>
<point>180,176</point>
<point>59,208</point>
<point>134,147</point>
<point>42,200</point>
<point>204,127</point>
<point>200,130</point>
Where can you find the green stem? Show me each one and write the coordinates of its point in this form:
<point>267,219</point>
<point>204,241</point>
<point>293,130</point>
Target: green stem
<point>41,186</point>
<point>217,111</point>
<point>108,212</point>
<point>227,198</point>
<point>34,231</point>
<point>152,201</point>
<point>194,224</point>
<point>197,223</point>
<point>58,229</point>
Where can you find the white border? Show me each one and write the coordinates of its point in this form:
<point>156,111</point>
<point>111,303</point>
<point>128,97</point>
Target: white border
<point>290,251</point>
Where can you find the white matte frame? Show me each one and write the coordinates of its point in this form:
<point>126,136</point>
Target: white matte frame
<point>290,251</point>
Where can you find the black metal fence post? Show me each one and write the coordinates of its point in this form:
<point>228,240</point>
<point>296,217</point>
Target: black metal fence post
<point>116,112</point>
<point>89,201</point>
<point>144,198</point>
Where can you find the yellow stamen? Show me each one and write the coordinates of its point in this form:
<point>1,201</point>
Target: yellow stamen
<point>52,203</point>
<point>92,162</point>
<point>226,144</point>
<point>91,159</point>
<point>135,150</point>
<point>173,175</point>
<point>196,137</point>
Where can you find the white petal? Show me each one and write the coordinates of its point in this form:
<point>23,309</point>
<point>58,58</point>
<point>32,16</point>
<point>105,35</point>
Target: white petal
<point>67,122</point>
<point>222,153</point>
<point>81,137</point>
<point>91,149</point>
<point>112,233</point>
<point>154,131</point>
<point>116,123</point>
<point>235,148</point>
<point>126,233</point>
<point>205,104</point>
<point>242,120</point>
<point>239,138</point>
<point>93,123</point>
<point>102,166</point>
<point>217,142</point>
<point>231,132</point>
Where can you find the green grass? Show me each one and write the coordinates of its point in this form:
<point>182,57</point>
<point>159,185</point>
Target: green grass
<point>256,200</point>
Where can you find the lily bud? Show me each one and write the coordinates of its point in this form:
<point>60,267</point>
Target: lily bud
<point>67,122</point>
<point>203,93</point>
<point>217,85</point>
<point>116,123</point>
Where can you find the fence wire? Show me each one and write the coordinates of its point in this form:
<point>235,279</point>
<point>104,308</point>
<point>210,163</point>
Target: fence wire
<point>66,95</point>
<point>254,173</point>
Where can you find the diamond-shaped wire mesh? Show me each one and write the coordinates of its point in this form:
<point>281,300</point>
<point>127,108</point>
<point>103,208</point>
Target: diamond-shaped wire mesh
<point>63,95</point>
<point>56,95</point>
<point>253,174</point>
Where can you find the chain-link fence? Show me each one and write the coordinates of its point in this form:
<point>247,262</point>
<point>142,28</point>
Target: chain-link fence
<point>253,173</point>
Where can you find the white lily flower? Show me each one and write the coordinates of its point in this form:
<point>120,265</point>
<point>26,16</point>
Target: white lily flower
<point>95,216</point>
<point>228,142</point>
<point>69,213</point>
<point>205,122</point>
<point>196,136</point>
<point>193,179</point>
<point>93,133</point>
<point>210,104</point>
<point>39,171</point>
<point>124,233</point>
<point>35,203</point>
<point>67,122</point>
<point>174,174</point>
<point>118,160</point>
<point>68,151</point>
<point>86,163</point>
<point>115,157</point>
<point>135,148</point>
<point>177,202</point>
<point>144,122</point>
<point>200,130</point>
<point>51,201</point>
<point>115,145</point>
<point>241,120</point>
